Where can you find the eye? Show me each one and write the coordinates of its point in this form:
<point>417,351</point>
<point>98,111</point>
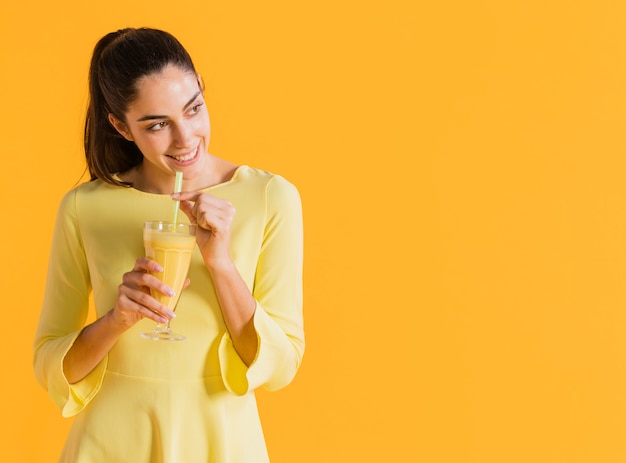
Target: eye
<point>195,108</point>
<point>158,126</point>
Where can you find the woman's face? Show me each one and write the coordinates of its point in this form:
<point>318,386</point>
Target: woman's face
<point>169,123</point>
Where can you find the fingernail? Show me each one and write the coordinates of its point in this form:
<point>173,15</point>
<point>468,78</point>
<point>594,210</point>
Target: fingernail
<point>158,268</point>
<point>170,293</point>
<point>175,195</point>
<point>162,320</point>
<point>171,314</point>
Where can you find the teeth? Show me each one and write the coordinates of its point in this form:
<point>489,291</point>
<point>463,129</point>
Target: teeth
<point>187,157</point>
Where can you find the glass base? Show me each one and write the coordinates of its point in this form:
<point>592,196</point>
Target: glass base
<point>165,335</point>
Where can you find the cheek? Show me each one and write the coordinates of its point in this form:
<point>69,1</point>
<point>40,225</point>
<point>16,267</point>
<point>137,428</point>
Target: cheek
<point>203,123</point>
<point>150,144</point>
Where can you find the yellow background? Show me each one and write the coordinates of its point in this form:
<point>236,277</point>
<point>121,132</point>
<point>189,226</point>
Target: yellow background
<point>462,166</point>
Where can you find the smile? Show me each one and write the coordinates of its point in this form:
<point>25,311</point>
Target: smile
<point>185,158</point>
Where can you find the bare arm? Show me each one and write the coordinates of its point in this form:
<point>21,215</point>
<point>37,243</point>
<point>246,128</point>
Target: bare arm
<point>238,308</point>
<point>90,347</point>
<point>133,303</point>
<point>214,217</point>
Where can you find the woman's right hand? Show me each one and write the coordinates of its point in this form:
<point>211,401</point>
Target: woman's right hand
<point>134,301</point>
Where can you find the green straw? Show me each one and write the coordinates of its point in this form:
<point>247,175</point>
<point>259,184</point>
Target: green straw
<point>178,185</point>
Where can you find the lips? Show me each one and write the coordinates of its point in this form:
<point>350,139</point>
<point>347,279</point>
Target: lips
<point>187,158</point>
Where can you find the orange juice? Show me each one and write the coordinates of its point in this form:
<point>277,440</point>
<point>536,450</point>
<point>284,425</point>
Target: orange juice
<point>171,248</point>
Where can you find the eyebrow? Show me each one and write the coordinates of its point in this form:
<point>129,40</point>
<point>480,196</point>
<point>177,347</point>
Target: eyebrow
<point>157,116</point>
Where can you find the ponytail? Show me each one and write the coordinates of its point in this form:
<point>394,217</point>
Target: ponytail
<point>119,60</point>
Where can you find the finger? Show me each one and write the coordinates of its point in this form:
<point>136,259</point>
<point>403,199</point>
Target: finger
<point>187,208</point>
<point>146,282</point>
<point>147,265</point>
<point>186,196</point>
<point>127,307</point>
<point>214,211</point>
<point>144,303</point>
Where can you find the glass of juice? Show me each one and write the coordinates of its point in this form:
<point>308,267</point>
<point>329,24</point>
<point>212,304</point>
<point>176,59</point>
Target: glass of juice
<point>171,245</point>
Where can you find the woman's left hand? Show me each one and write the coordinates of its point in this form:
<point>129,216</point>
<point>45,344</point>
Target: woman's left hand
<point>214,217</point>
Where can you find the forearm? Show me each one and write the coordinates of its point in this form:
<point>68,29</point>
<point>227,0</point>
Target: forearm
<point>90,347</point>
<point>238,306</point>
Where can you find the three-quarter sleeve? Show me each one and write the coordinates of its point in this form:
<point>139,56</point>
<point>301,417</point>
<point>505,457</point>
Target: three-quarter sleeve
<point>277,290</point>
<point>63,314</point>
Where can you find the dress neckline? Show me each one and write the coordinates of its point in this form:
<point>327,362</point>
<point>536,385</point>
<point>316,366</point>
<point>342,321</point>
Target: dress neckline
<point>232,179</point>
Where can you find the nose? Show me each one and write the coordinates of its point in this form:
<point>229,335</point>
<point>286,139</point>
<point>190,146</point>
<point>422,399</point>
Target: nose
<point>183,135</point>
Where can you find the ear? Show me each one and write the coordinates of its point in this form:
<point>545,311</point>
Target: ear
<point>120,127</point>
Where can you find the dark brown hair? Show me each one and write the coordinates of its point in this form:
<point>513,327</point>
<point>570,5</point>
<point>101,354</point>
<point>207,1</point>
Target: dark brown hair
<point>119,60</point>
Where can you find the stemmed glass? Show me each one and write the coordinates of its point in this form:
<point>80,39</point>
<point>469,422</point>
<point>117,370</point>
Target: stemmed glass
<point>171,245</point>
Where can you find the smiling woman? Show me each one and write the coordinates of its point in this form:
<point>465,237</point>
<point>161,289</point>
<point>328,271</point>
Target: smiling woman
<point>169,123</point>
<point>142,401</point>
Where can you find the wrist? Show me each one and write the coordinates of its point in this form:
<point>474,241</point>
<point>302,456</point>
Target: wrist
<point>219,264</point>
<point>114,324</point>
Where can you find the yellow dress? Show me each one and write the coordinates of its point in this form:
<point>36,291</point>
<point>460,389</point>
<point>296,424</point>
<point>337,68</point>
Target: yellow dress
<point>171,402</point>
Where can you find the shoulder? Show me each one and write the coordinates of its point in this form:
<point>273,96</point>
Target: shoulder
<point>282,198</point>
<point>270,182</point>
<point>93,187</point>
<point>89,194</point>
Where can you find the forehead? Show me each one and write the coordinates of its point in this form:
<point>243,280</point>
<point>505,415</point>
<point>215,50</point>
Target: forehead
<point>170,88</point>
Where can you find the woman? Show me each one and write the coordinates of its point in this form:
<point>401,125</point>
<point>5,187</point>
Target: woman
<point>137,400</point>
